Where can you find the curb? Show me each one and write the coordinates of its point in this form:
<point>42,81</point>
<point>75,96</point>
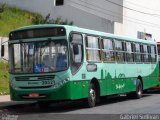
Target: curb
<point>5,98</point>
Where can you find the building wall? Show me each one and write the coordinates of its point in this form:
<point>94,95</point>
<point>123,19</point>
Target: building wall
<point>100,8</point>
<point>93,14</point>
<point>141,18</point>
<point>84,19</point>
<point>102,15</point>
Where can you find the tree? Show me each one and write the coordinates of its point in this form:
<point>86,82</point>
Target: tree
<point>47,20</point>
<point>2,7</point>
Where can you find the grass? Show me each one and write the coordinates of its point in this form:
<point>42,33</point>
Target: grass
<point>10,19</point>
<point>13,18</point>
<point>4,78</point>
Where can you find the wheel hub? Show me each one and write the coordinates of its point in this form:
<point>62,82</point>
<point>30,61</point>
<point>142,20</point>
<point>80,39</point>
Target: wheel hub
<point>92,95</point>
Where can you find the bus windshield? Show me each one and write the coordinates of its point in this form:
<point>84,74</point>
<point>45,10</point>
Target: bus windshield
<point>39,57</point>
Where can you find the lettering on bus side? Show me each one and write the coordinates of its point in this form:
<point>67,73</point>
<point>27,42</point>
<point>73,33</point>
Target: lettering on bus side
<point>120,86</point>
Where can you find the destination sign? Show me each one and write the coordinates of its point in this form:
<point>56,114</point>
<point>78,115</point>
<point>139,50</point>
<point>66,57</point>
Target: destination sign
<point>37,33</point>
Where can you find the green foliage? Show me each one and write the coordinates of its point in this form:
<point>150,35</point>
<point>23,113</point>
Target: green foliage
<point>12,18</point>
<point>60,21</point>
<point>47,20</point>
<point>38,19</point>
<point>4,78</point>
<point>2,7</point>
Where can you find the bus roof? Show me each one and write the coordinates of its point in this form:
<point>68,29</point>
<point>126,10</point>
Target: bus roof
<point>88,31</point>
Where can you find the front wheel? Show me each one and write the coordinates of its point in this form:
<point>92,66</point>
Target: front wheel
<point>91,101</point>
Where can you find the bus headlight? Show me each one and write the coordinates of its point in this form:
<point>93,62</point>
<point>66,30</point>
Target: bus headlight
<point>66,80</point>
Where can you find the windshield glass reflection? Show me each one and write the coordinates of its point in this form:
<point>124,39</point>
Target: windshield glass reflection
<point>39,57</point>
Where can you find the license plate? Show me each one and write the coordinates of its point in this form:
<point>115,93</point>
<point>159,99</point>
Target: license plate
<point>34,95</point>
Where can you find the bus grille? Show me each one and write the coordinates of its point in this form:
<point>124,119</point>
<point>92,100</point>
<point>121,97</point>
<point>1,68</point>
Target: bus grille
<point>29,78</point>
<point>36,87</point>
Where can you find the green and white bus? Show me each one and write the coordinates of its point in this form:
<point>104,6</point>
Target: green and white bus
<point>60,62</point>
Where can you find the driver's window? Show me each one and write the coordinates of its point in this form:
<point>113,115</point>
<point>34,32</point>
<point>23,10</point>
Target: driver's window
<point>76,51</point>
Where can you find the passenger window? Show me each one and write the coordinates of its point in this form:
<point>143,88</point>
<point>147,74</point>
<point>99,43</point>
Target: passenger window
<point>129,53</point>
<point>149,53</point>
<point>107,50</point>
<point>108,44</point>
<point>153,54</point>
<point>93,49</point>
<point>118,45</point>
<point>145,53</point>
<point>119,51</point>
<point>137,53</point>
<point>142,53</point>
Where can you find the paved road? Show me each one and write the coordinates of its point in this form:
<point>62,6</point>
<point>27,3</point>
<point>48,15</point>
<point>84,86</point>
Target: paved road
<point>121,106</point>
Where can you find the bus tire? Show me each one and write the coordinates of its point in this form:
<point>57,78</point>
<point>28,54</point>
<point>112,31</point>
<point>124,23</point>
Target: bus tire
<point>139,89</point>
<point>91,100</point>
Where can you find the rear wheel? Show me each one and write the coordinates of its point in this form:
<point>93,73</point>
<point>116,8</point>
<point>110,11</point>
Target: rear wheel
<point>139,89</point>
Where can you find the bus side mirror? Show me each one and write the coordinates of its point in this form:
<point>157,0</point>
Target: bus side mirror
<point>75,49</point>
<point>2,51</point>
